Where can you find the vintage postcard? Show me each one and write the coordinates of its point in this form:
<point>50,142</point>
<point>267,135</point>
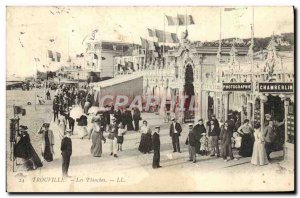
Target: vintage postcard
<point>150,99</point>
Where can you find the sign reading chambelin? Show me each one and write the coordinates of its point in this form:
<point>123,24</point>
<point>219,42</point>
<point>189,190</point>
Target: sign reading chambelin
<point>237,86</point>
<point>275,87</point>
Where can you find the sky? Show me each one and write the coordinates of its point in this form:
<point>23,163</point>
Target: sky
<point>68,26</point>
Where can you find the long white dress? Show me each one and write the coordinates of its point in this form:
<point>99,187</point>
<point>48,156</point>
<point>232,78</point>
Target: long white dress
<point>259,155</point>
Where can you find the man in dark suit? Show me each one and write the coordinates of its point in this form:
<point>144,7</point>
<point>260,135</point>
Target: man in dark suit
<point>198,129</point>
<point>231,123</point>
<point>55,107</point>
<point>192,142</point>
<point>213,134</point>
<point>66,152</point>
<point>269,135</point>
<point>106,115</point>
<point>213,118</point>
<point>175,130</point>
<point>156,148</point>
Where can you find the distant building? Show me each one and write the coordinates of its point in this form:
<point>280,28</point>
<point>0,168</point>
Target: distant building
<point>100,56</point>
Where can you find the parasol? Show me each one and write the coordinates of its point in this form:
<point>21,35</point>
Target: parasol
<point>95,109</point>
<point>76,112</point>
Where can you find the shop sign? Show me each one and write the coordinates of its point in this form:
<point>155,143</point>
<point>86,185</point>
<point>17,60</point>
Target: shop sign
<point>275,87</point>
<point>237,86</point>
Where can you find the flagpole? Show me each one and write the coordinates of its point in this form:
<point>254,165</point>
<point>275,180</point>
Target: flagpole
<point>220,25</point>
<point>220,38</point>
<point>177,28</point>
<point>153,66</point>
<point>145,61</point>
<point>252,40</point>
<point>164,41</point>
<point>185,20</point>
<point>35,83</point>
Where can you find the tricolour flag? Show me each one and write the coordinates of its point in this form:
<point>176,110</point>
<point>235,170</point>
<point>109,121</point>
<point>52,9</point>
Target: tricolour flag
<point>159,35</point>
<point>181,19</point>
<point>172,20</point>
<point>185,20</point>
<point>166,37</point>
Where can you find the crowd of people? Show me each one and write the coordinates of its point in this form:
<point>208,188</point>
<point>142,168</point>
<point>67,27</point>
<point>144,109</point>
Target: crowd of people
<point>110,124</point>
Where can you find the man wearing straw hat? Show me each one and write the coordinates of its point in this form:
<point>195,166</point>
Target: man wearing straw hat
<point>113,134</point>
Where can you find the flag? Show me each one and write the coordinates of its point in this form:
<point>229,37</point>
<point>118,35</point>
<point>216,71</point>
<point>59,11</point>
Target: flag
<point>190,20</point>
<point>174,38</point>
<point>58,56</point>
<point>181,19</point>
<point>168,37</point>
<point>19,110</point>
<point>150,45</point>
<point>151,33</point>
<point>185,20</point>
<point>159,35</point>
<point>50,54</point>
<point>144,43</point>
<point>171,20</point>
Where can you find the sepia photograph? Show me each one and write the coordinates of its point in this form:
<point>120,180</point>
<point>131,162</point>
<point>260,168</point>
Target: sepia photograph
<point>139,99</point>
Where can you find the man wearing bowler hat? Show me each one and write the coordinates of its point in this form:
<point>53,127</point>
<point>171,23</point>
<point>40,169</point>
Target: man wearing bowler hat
<point>156,148</point>
<point>175,130</point>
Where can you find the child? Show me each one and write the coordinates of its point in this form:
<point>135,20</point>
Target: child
<point>203,144</point>
<point>121,132</point>
<point>237,140</point>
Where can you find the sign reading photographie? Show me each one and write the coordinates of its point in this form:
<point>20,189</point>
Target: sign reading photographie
<point>276,87</point>
<point>237,86</point>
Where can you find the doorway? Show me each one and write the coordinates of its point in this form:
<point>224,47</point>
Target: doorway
<point>189,92</point>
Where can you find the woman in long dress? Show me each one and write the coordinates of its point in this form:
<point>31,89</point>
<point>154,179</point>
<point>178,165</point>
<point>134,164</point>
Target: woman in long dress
<point>47,142</point>
<point>259,155</point>
<point>97,137</point>
<point>146,139</point>
<point>62,126</point>
<point>246,132</point>
<point>24,149</point>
